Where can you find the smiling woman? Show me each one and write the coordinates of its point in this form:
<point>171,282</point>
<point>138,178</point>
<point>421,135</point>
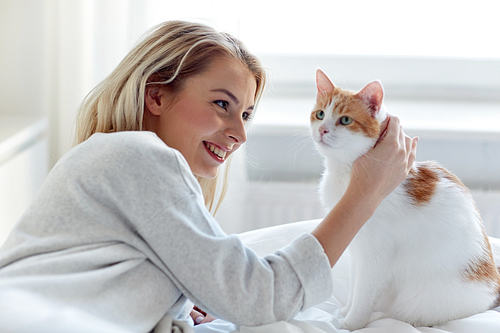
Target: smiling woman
<point>117,103</point>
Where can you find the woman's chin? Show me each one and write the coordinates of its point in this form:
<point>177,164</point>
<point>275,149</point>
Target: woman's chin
<point>208,174</point>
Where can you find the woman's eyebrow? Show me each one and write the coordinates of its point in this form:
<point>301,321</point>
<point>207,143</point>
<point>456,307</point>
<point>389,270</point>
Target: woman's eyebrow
<point>228,93</point>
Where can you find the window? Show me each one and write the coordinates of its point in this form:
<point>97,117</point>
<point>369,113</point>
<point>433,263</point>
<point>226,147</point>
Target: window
<point>443,28</point>
<point>439,61</point>
<point>425,49</point>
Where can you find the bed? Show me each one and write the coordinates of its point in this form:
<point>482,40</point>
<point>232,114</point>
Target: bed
<point>325,317</point>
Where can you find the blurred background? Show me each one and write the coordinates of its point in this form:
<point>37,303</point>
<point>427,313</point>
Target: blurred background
<point>439,62</point>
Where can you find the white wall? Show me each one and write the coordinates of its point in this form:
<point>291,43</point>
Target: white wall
<point>24,96</point>
<point>52,52</point>
<point>85,40</point>
<point>22,84</point>
<point>21,176</point>
<point>55,51</point>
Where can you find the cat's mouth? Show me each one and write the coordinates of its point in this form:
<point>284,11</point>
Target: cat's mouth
<point>323,143</point>
<point>329,144</point>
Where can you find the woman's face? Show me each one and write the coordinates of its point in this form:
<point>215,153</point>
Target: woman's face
<point>205,121</point>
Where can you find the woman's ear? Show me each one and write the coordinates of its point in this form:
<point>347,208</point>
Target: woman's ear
<point>155,100</point>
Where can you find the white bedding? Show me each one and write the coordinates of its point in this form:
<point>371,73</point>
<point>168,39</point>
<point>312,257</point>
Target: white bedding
<point>325,317</point>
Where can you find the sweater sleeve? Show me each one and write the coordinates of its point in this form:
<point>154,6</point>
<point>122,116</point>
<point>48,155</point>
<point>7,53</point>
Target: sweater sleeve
<point>159,197</point>
<point>230,281</point>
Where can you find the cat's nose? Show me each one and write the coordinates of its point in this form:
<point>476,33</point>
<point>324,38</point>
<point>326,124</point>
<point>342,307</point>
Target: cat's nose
<point>323,130</point>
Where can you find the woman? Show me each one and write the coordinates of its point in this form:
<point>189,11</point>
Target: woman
<point>120,232</point>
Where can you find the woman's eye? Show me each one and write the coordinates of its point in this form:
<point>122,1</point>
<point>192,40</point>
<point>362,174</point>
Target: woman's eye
<point>345,120</point>
<point>246,116</point>
<point>222,104</point>
<point>320,115</point>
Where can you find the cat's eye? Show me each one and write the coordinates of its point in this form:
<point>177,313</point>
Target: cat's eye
<point>345,120</point>
<point>320,115</point>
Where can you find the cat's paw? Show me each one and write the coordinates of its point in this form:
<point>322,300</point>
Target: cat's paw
<point>341,322</point>
<point>344,311</point>
<point>353,323</point>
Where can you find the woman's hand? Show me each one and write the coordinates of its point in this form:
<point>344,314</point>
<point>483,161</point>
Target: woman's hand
<point>377,173</point>
<point>200,317</point>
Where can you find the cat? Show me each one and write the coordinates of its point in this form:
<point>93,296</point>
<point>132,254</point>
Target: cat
<point>423,257</point>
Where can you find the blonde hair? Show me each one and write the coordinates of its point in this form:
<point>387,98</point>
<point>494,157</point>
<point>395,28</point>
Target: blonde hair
<point>167,55</point>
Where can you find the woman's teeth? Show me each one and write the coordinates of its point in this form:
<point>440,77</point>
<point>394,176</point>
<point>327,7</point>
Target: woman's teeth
<point>216,151</point>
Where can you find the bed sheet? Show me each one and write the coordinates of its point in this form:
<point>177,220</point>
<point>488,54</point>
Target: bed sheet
<point>325,317</point>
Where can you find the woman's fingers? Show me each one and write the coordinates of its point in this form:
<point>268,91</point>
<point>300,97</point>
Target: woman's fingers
<point>200,317</point>
<point>410,145</point>
<point>407,144</point>
<point>197,317</point>
<point>383,129</point>
<point>413,151</point>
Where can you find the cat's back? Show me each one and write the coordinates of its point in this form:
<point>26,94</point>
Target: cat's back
<point>430,221</point>
<point>432,205</point>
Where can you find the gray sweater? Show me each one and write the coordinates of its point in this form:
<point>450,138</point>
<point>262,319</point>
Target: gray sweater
<point>120,231</point>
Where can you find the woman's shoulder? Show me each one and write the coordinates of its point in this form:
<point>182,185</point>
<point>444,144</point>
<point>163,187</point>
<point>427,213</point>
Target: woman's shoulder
<point>136,146</point>
<point>127,141</point>
<point>123,153</point>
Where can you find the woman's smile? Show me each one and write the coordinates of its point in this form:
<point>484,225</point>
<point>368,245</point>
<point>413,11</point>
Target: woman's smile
<point>218,153</point>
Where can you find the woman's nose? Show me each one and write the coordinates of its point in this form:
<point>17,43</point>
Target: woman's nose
<point>236,131</point>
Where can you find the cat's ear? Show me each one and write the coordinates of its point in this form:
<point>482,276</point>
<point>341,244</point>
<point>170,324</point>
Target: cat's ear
<point>323,83</point>
<point>373,95</point>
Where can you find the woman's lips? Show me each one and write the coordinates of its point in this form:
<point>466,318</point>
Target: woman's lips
<point>218,153</point>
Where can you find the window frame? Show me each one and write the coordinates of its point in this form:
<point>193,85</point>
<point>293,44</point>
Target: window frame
<point>401,76</point>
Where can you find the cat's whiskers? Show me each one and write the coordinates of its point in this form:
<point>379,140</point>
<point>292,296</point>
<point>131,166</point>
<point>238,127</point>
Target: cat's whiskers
<point>297,143</point>
<point>251,160</point>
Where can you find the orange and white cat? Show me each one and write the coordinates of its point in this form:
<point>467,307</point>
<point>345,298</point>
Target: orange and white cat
<point>423,257</point>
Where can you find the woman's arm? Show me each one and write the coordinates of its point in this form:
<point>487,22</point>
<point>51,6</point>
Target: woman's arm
<point>374,176</point>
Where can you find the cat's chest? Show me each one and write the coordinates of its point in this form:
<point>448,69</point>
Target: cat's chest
<point>332,187</point>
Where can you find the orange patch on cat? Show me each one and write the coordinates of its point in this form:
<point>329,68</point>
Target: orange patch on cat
<point>423,178</point>
<point>322,103</point>
<point>448,175</point>
<point>324,99</point>
<point>421,182</point>
<point>363,121</point>
<point>484,269</point>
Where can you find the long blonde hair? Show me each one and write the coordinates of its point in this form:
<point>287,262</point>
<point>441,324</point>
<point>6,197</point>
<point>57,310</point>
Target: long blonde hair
<point>168,54</point>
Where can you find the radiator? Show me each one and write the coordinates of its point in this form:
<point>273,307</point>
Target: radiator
<point>273,203</point>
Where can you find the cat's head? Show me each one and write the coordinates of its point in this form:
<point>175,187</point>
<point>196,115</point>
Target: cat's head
<point>345,124</point>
